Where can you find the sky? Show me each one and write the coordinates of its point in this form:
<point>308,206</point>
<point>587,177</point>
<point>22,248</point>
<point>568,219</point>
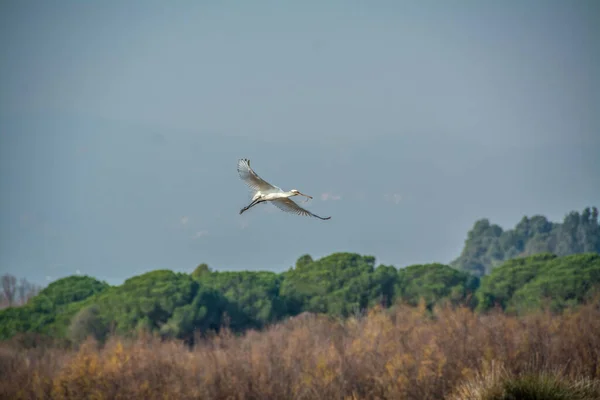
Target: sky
<point>121,124</point>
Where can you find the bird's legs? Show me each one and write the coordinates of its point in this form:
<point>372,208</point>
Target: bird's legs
<point>255,202</point>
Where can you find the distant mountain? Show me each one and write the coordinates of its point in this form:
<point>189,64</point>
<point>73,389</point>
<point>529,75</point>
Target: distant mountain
<point>488,245</point>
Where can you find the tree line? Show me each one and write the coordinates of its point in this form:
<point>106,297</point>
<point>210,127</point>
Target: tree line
<point>181,305</point>
<point>488,245</point>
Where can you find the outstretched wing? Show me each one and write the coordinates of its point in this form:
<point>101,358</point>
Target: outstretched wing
<point>252,179</point>
<point>289,205</point>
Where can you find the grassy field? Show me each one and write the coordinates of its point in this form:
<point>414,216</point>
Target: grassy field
<point>399,353</point>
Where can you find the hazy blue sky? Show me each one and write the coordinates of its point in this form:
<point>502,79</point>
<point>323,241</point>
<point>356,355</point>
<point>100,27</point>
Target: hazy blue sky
<point>121,123</point>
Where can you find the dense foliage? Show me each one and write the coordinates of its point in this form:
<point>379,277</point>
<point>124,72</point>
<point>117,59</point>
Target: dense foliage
<point>52,309</point>
<point>172,304</point>
<point>181,305</point>
<point>255,295</point>
<point>434,283</point>
<point>525,284</point>
<point>488,245</point>
<point>339,284</point>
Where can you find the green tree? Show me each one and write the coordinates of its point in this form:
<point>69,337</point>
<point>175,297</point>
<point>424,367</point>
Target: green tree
<point>50,312</point>
<point>147,301</point>
<point>383,289</point>
<point>304,260</point>
<point>434,283</point>
<point>254,293</point>
<point>339,284</point>
<point>525,284</point>
<point>201,270</point>
<point>487,246</point>
<point>88,322</point>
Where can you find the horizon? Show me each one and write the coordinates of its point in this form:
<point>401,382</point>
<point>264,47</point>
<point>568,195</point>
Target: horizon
<point>217,269</point>
<point>120,129</point>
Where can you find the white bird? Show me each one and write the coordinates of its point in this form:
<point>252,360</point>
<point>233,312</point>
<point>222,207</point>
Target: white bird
<point>264,191</point>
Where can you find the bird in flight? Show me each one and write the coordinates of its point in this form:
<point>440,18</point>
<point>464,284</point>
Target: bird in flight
<point>264,191</point>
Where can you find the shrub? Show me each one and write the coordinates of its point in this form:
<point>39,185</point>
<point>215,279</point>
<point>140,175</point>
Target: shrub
<point>497,383</point>
<point>399,353</point>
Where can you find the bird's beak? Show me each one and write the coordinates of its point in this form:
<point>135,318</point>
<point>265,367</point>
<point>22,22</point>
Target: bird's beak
<point>310,197</point>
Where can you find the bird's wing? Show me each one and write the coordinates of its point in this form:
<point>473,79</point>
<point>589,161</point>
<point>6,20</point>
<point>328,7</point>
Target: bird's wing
<point>289,205</point>
<point>252,179</point>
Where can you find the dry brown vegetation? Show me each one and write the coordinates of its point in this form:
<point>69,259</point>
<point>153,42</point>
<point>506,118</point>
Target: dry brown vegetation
<point>399,353</point>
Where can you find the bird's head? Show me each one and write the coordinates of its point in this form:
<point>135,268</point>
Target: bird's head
<point>298,193</point>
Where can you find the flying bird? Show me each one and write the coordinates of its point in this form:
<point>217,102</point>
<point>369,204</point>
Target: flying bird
<point>264,191</point>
